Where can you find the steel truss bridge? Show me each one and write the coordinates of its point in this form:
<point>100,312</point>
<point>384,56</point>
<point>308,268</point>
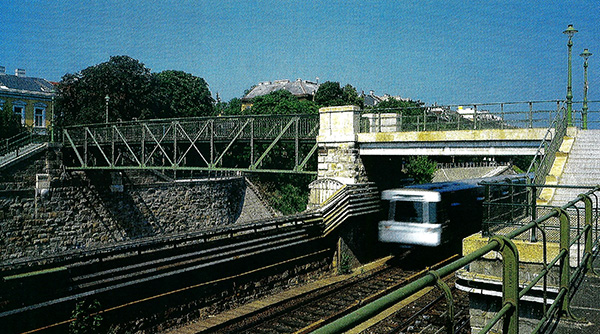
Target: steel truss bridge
<point>273,143</point>
<point>277,143</point>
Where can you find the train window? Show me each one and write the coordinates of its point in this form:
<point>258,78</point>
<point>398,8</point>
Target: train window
<point>409,212</point>
<point>415,212</point>
<point>432,212</point>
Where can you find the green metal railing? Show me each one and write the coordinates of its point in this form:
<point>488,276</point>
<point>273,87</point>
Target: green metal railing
<point>502,115</point>
<point>15,143</point>
<point>268,143</point>
<point>512,289</point>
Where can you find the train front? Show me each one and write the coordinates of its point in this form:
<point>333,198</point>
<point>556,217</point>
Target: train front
<point>412,217</point>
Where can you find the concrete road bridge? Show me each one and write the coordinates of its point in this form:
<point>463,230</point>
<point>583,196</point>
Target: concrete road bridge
<point>292,143</point>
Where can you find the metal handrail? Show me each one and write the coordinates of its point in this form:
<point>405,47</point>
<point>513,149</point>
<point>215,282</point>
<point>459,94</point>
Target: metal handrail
<point>22,139</point>
<point>544,157</point>
<point>510,295</point>
<point>536,114</point>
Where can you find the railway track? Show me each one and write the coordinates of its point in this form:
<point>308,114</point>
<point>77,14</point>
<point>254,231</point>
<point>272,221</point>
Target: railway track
<point>160,271</point>
<point>309,312</point>
<point>427,314</point>
<point>128,275</point>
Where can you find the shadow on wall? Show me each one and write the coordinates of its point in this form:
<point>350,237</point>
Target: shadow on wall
<point>123,209</point>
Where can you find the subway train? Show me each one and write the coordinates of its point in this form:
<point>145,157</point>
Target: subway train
<point>435,214</point>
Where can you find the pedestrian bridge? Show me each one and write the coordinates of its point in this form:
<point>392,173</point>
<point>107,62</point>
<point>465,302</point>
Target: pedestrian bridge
<point>292,143</point>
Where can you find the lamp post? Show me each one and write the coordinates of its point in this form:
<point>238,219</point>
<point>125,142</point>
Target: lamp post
<point>52,122</point>
<point>570,32</point>
<point>584,110</point>
<point>107,98</point>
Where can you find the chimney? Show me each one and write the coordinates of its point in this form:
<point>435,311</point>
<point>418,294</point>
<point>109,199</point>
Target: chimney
<point>2,70</point>
<point>20,72</point>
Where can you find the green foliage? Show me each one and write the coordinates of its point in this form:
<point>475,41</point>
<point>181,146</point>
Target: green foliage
<point>286,193</point>
<point>281,102</point>
<point>420,169</point>
<point>181,94</point>
<point>9,123</point>
<point>345,265</point>
<point>127,82</point>
<point>521,163</point>
<point>133,91</point>
<point>233,107</point>
<point>408,107</point>
<point>332,94</point>
<point>87,320</point>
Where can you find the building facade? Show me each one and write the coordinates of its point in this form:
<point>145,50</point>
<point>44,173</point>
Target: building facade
<point>30,99</point>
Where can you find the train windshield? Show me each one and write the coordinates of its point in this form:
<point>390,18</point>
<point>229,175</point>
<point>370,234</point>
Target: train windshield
<point>413,212</point>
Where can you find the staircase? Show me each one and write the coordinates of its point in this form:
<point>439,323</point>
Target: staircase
<point>582,167</point>
<point>20,147</point>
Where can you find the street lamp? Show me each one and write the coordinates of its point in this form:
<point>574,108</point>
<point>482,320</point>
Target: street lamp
<point>107,98</point>
<point>584,110</point>
<point>570,32</point>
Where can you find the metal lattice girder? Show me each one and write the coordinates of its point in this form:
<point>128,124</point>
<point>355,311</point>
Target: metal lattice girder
<point>205,143</point>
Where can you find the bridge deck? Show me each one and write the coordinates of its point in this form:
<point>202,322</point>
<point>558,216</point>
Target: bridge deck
<point>487,142</point>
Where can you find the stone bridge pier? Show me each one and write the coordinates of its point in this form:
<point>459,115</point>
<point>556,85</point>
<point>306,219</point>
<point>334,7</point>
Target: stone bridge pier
<point>339,164</point>
<point>338,155</point>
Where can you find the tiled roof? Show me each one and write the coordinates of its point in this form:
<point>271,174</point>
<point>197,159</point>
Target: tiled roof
<point>300,88</point>
<point>13,83</point>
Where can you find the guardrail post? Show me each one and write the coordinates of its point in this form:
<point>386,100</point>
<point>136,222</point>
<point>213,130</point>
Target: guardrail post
<point>565,270</point>
<point>533,208</point>
<point>530,115</point>
<point>449,300</point>
<point>588,232</point>
<point>510,283</point>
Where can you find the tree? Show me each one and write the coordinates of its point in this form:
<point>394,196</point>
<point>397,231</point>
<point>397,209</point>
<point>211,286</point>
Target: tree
<point>281,102</point>
<point>233,107</point>
<point>9,123</point>
<point>133,92</point>
<point>181,94</point>
<point>332,94</point>
<point>420,169</point>
<point>128,84</point>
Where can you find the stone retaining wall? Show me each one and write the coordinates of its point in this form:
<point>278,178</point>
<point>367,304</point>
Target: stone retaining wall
<point>80,210</point>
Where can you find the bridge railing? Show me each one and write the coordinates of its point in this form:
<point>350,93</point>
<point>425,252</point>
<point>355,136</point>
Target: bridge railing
<point>584,208</point>
<point>544,157</point>
<point>592,118</point>
<point>22,139</point>
<point>503,115</point>
<point>265,127</point>
<point>246,143</point>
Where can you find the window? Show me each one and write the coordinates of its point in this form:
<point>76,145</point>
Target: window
<point>39,115</point>
<point>415,212</point>
<point>20,113</point>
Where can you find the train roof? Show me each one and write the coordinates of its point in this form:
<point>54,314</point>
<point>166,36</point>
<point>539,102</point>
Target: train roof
<point>449,186</point>
<point>411,194</point>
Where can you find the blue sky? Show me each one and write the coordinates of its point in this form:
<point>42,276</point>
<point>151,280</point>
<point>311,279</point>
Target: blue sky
<point>447,52</point>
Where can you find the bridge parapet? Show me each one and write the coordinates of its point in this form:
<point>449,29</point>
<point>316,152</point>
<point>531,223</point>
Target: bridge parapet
<point>506,115</point>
